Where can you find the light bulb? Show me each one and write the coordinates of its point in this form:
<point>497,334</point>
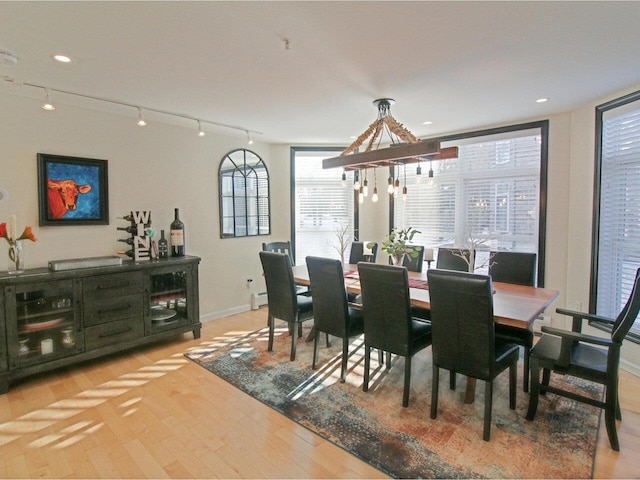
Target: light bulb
<point>365,188</point>
<point>200,131</point>
<point>374,196</point>
<point>360,198</point>
<point>390,185</point>
<point>47,105</point>
<point>404,194</point>
<point>141,120</point>
<point>344,179</point>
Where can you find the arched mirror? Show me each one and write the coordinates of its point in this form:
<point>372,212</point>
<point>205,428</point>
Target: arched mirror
<point>244,195</point>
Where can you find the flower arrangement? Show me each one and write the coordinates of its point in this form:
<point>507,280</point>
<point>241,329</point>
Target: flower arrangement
<point>8,232</point>
<point>396,245</point>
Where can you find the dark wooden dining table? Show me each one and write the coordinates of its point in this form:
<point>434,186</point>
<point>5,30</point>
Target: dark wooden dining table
<point>515,305</point>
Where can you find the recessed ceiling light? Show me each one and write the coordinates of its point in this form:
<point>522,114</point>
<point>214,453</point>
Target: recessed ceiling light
<point>62,58</point>
<point>542,100</point>
<point>427,123</point>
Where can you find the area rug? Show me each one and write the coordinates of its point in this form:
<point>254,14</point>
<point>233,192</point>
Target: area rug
<point>406,442</point>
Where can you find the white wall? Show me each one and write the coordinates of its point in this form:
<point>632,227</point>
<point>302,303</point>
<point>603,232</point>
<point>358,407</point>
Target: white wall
<point>155,168</point>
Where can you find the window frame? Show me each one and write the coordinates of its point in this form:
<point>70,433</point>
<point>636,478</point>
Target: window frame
<point>543,126</point>
<point>600,112</point>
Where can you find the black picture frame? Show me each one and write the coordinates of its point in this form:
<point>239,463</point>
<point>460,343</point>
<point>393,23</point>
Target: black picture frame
<point>72,191</point>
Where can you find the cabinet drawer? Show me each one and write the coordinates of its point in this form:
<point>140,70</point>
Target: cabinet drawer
<point>103,310</point>
<point>113,285</point>
<point>112,333</point>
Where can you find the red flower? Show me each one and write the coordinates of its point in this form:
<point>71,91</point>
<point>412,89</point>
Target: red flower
<point>3,230</point>
<point>28,235</point>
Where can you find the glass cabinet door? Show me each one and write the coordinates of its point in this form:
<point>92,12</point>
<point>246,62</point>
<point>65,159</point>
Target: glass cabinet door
<point>169,299</point>
<point>45,322</point>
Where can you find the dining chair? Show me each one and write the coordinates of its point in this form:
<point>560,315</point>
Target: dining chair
<point>388,324</point>
<point>450,259</point>
<point>463,337</point>
<point>285,247</point>
<point>361,253</point>
<point>414,263</point>
<point>332,314</point>
<point>282,300</point>
<point>592,358</point>
<point>520,269</point>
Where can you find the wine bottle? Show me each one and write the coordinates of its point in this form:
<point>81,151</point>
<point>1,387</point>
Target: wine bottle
<point>163,246</point>
<point>128,218</point>
<point>177,236</point>
<point>128,253</point>
<point>131,230</point>
<point>128,241</point>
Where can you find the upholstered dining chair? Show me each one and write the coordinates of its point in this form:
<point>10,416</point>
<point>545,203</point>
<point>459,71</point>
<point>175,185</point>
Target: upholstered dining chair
<point>588,357</point>
<point>332,314</point>
<point>361,253</point>
<point>414,263</point>
<point>463,338</point>
<point>388,324</point>
<point>282,300</point>
<point>285,247</point>
<point>520,269</point>
<point>449,259</point>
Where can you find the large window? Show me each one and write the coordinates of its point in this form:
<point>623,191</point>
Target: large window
<point>493,192</point>
<point>322,205</point>
<point>617,226</point>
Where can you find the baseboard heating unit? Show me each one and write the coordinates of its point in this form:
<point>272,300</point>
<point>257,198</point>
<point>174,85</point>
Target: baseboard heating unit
<point>258,300</point>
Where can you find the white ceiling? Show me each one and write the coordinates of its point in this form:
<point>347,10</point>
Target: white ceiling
<point>461,65</point>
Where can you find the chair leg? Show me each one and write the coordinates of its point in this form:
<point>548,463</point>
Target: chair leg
<point>513,382</point>
<point>367,360</point>
<point>488,403</point>
<point>328,341</point>
<point>452,380</point>
<point>535,389</point>
<point>611,405</point>
<point>294,342</point>
<point>434,391</point>
<point>345,357</point>
<point>380,357</point>
<point>315,352</point>
<point>271,323</point>
<point>546,378</point>
<point>525,376</point>
<point>300,329</point>
<point>407,381</point>
<point>388,360</point>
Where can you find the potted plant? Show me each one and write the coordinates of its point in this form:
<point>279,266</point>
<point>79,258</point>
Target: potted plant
<point>396,245</point>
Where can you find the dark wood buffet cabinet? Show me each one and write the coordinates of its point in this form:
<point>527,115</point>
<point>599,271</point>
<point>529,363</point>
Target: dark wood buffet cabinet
<point>55,319</point>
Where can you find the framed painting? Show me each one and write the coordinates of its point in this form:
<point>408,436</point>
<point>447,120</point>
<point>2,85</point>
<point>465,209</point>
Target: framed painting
<point>72,191</point>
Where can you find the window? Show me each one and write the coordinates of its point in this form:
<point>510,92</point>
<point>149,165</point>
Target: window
<point>493,192</point>
<point>244,195</point>
<point>322,205</point>
<point>616,228</point>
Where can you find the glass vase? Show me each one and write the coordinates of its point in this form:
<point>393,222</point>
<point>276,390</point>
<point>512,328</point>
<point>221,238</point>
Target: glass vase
<point>397,259</point>
<point>16,257</point>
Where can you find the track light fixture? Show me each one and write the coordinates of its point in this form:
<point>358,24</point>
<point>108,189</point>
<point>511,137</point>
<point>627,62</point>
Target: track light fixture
<point>200,131</point>
<point>47,105</point>
<point>249,139</point>
<point>141,121</point>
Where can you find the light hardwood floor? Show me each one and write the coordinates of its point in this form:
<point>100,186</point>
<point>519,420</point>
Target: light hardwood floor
<point>154,414</point>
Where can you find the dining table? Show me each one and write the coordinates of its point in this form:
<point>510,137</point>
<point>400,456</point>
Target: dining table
<point>514,305</point>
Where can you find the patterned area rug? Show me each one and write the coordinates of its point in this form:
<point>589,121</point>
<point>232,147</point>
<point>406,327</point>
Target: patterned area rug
<point>405,442</point>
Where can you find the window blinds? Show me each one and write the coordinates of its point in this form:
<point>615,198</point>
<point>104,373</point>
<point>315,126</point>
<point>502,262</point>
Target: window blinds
<point>619,226</point>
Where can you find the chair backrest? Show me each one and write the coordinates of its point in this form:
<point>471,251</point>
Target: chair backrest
<point>280,247</point>
<point>414,264</point>
<point>281,290</point>
<point>386,307</point>
<point>629,313</point>
<point>462,324</point>
<point>330,306</point>
<point>359,252</point>
<point>513,267</point>
<point>449,259</point>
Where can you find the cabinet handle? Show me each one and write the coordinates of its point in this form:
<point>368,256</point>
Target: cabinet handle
<point>117,309</point>
<point>113,334</point>
<point>111,287</point>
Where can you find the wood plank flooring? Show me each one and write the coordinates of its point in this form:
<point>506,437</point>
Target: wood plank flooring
<point>154,414</point>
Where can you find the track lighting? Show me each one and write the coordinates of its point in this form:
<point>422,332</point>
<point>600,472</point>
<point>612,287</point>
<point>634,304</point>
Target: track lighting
<point>141,121</point>
<point>200,131</point>
<point>47,105</point>
<point>249,139</point>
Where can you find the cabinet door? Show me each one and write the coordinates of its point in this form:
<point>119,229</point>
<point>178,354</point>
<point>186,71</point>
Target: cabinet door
<point>172,298</point>
<point>43,322</point>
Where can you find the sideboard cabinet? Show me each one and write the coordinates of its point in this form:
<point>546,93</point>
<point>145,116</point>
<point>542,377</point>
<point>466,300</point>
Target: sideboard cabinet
<point>54,319</point>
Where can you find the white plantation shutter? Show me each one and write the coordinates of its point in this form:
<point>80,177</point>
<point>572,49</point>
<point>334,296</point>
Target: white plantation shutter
<point>619,224</point>
<point>322,205</point>
<point>491,190</point>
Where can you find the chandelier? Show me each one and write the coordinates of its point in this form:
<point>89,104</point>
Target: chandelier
<point>405,147</point>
